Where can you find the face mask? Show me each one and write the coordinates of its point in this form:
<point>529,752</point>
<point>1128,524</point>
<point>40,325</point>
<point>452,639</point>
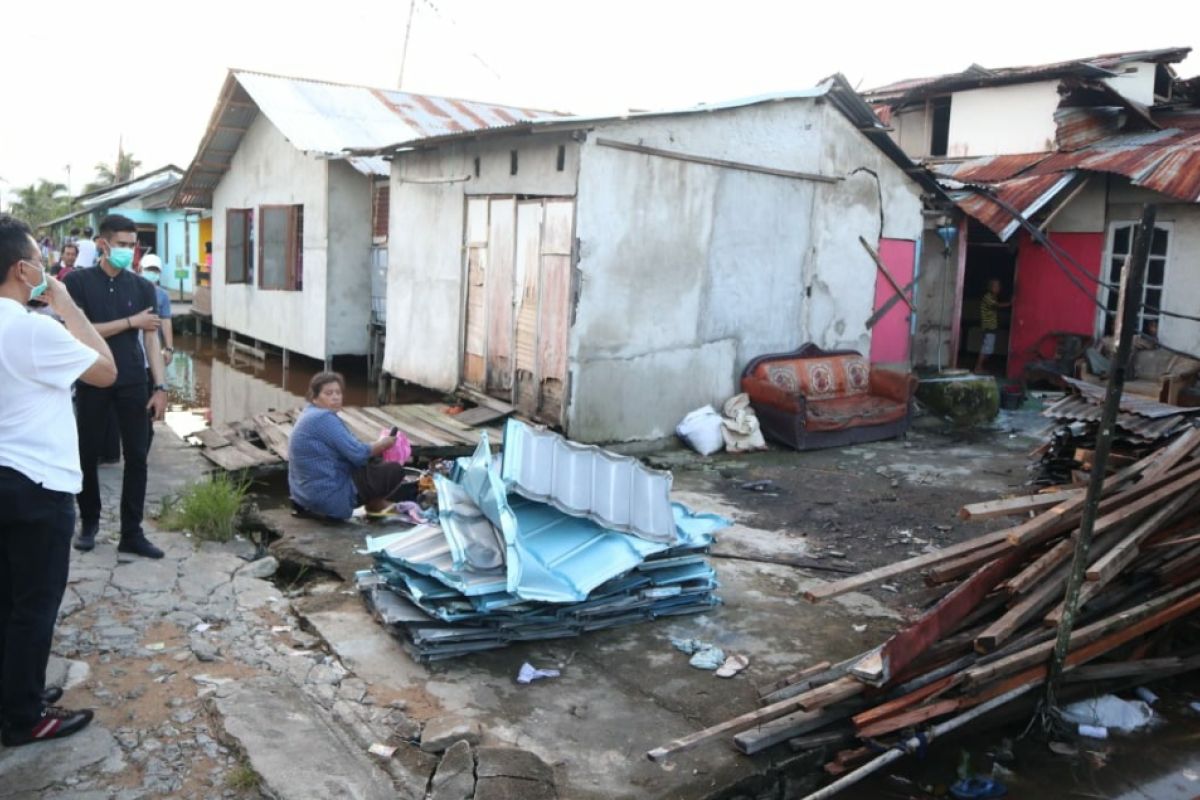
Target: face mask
<point>120,257</point>
<point>151,276</point>
<point>36,291</point>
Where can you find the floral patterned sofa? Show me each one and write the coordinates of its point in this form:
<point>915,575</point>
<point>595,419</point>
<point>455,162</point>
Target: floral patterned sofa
<point>813,398</point>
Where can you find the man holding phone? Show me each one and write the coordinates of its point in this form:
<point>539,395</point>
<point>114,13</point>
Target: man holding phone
<point>121,304</point>
<point>39,474</point>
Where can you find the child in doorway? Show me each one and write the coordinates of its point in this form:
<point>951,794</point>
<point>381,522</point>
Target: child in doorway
<point>989,317</point>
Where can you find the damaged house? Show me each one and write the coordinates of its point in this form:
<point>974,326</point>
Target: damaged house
<point>296,222</point>
<point>1075,148</point>
<point>608,275</point>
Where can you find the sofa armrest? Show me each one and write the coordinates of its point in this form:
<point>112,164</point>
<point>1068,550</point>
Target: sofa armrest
<point>892,384</point>
<point>763,392</point>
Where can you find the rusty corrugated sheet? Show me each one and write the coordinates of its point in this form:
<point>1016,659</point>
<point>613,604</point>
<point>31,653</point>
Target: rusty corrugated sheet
<point>1076,128</point>
<point>1027,194</point>
<point>988,169</point>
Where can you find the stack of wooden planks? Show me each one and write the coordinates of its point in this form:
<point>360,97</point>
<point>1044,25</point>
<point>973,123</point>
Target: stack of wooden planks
<point>989,636</point>
<point>263,439</point>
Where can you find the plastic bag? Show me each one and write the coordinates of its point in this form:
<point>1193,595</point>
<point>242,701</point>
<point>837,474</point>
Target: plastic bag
<point>398,453</point>
<point>701,429</point>
<point>740,427</point>
<point>1109,711</point>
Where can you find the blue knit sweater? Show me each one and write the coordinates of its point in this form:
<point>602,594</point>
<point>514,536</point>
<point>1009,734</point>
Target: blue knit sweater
<point>321,455</point>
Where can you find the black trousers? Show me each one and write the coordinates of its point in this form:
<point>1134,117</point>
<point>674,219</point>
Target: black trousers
<point>92,409</point>
<point>35,545</point>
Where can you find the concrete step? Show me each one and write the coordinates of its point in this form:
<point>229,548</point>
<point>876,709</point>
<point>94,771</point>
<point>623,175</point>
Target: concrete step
<point>291,742</point>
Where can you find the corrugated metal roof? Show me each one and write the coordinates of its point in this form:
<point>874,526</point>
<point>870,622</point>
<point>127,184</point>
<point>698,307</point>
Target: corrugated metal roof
<point>618,492</point>
<point>1026,194</point>
<point>328,119</point>
<point>976,76</point>
<point>987,169</point>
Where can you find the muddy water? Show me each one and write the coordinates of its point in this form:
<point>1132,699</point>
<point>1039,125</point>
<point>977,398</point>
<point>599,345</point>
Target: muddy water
<point>209,385</point>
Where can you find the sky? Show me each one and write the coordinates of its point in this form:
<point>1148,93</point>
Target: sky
<point>82,78</point>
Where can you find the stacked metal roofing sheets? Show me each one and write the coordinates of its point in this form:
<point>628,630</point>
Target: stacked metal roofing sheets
<point>1140,420</point>
<point>499,567</point>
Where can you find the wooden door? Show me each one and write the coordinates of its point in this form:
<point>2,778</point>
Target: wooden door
<point>518,262</point>
<point>890,338</point>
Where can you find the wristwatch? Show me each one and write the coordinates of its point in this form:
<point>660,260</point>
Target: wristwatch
<point>162,387</point>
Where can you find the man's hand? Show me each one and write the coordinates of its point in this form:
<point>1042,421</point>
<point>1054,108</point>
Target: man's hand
<point>167,358</point>
<point>158,404</point>
<point>146,320</point>
<point>56,295</point>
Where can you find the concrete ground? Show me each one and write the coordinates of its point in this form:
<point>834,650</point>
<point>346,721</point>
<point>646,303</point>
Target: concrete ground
<point>211,681</point>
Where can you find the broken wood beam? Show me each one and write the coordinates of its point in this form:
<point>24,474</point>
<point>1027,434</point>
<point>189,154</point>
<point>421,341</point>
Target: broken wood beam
<point>808,701</point>
<point>1016,505</point>
<point>1116,559</point>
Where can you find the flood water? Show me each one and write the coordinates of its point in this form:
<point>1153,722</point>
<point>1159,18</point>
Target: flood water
<point>210,385</point>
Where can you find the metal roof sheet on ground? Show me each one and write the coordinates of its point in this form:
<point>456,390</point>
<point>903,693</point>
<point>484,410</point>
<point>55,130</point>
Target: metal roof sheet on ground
<point>1142,429</point>
<point>1134,404</point>
<point>616,491</point>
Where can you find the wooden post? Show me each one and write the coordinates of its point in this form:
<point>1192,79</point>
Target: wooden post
<point>1132,279</point>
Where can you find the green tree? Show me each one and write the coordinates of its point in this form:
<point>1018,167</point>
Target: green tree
<point>106,176</point>
<point>41,202</point>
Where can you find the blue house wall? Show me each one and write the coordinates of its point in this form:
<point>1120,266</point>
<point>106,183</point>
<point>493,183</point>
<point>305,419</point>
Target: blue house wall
<point>178,243</point>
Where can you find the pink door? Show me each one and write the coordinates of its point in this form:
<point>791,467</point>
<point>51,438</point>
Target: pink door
<point>890,337</point>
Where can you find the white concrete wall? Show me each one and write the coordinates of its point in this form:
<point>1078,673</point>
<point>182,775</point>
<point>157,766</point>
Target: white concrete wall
<point>689,271</point>
<point>1086,210</point>
<point>1003,119</point>
<point>266,170</point>
<point>349,259</point>
<point>910,130</point>
<point>426,273</point>
<point>1136,82</point>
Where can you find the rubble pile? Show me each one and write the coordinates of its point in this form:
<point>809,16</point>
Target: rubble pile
<point>549,539</point>
<point>1142,425</point>
<point>988,638</point>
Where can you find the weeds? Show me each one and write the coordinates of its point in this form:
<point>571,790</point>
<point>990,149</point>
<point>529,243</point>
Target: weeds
<point>242,778</point>
<point>208,509</point>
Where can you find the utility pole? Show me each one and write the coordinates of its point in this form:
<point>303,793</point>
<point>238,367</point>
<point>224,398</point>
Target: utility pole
<point>412,6</point>
<point>1133,276</point>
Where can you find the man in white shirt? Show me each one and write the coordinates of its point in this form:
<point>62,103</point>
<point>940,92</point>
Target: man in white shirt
<point>40,359</point>
<point>87,250</point>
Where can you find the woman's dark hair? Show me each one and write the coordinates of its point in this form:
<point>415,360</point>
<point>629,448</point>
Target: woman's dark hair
<point>321,379</point>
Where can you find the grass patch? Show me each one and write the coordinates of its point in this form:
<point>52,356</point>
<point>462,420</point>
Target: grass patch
<point>242,778</point>
<point>208,509</point>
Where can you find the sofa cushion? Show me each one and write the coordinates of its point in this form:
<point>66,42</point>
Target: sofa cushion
<point>847,412</point>
<point>819,378</point>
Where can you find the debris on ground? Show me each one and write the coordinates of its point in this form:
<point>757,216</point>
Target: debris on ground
<point>987,637</point>
<point>550,539</point>
<point>529,673</point>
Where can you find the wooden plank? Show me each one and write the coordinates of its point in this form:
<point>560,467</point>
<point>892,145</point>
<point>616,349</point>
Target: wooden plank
<point>403,418</point>
<point>787,727</point>
<point>435,417</point>
<point>965,565</point>
<point>210,439</point>
<point>1079,638</point>
<point>893,707</point>
<point>1105,568</point>
<point>1000,631</point>
<point>714,162</point>
<point>908,645</point>
<point>273,435</point>
<point>887,274</point>
<point>807,672</point>
<point>481,415</point>
<point>387,421</point>
<point>1036,571</point>
<point>824,739</point>
<point>1174,453</point>
<point>1174,542</point>
<point>908,719</point>
<point>749,719</point>
<point>1016,505</point>
<point>481,399</point>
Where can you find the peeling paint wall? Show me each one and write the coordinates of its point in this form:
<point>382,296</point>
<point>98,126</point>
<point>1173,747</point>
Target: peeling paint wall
<point>428,193</point>
<point>265,170</point>
<point>937,286</point>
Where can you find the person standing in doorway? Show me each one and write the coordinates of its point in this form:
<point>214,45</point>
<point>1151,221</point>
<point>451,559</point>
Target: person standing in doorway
<point>40,359</point>
<point>121,304</point>
<point>87,250</point>
<point>989,321</point>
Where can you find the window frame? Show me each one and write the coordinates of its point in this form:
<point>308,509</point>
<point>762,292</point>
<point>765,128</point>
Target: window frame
<point>293,253</point>
<point>247,247</point>
<point>1104,294</point>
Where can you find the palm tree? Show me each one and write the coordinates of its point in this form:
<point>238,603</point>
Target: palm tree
<point>126,166</point>
<point>41,202</point>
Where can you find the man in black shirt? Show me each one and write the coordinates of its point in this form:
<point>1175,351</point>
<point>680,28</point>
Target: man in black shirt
<point>121,304</point>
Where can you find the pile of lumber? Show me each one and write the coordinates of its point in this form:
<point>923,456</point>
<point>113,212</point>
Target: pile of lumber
<point>1142,426</point>
<point>989,635</point>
